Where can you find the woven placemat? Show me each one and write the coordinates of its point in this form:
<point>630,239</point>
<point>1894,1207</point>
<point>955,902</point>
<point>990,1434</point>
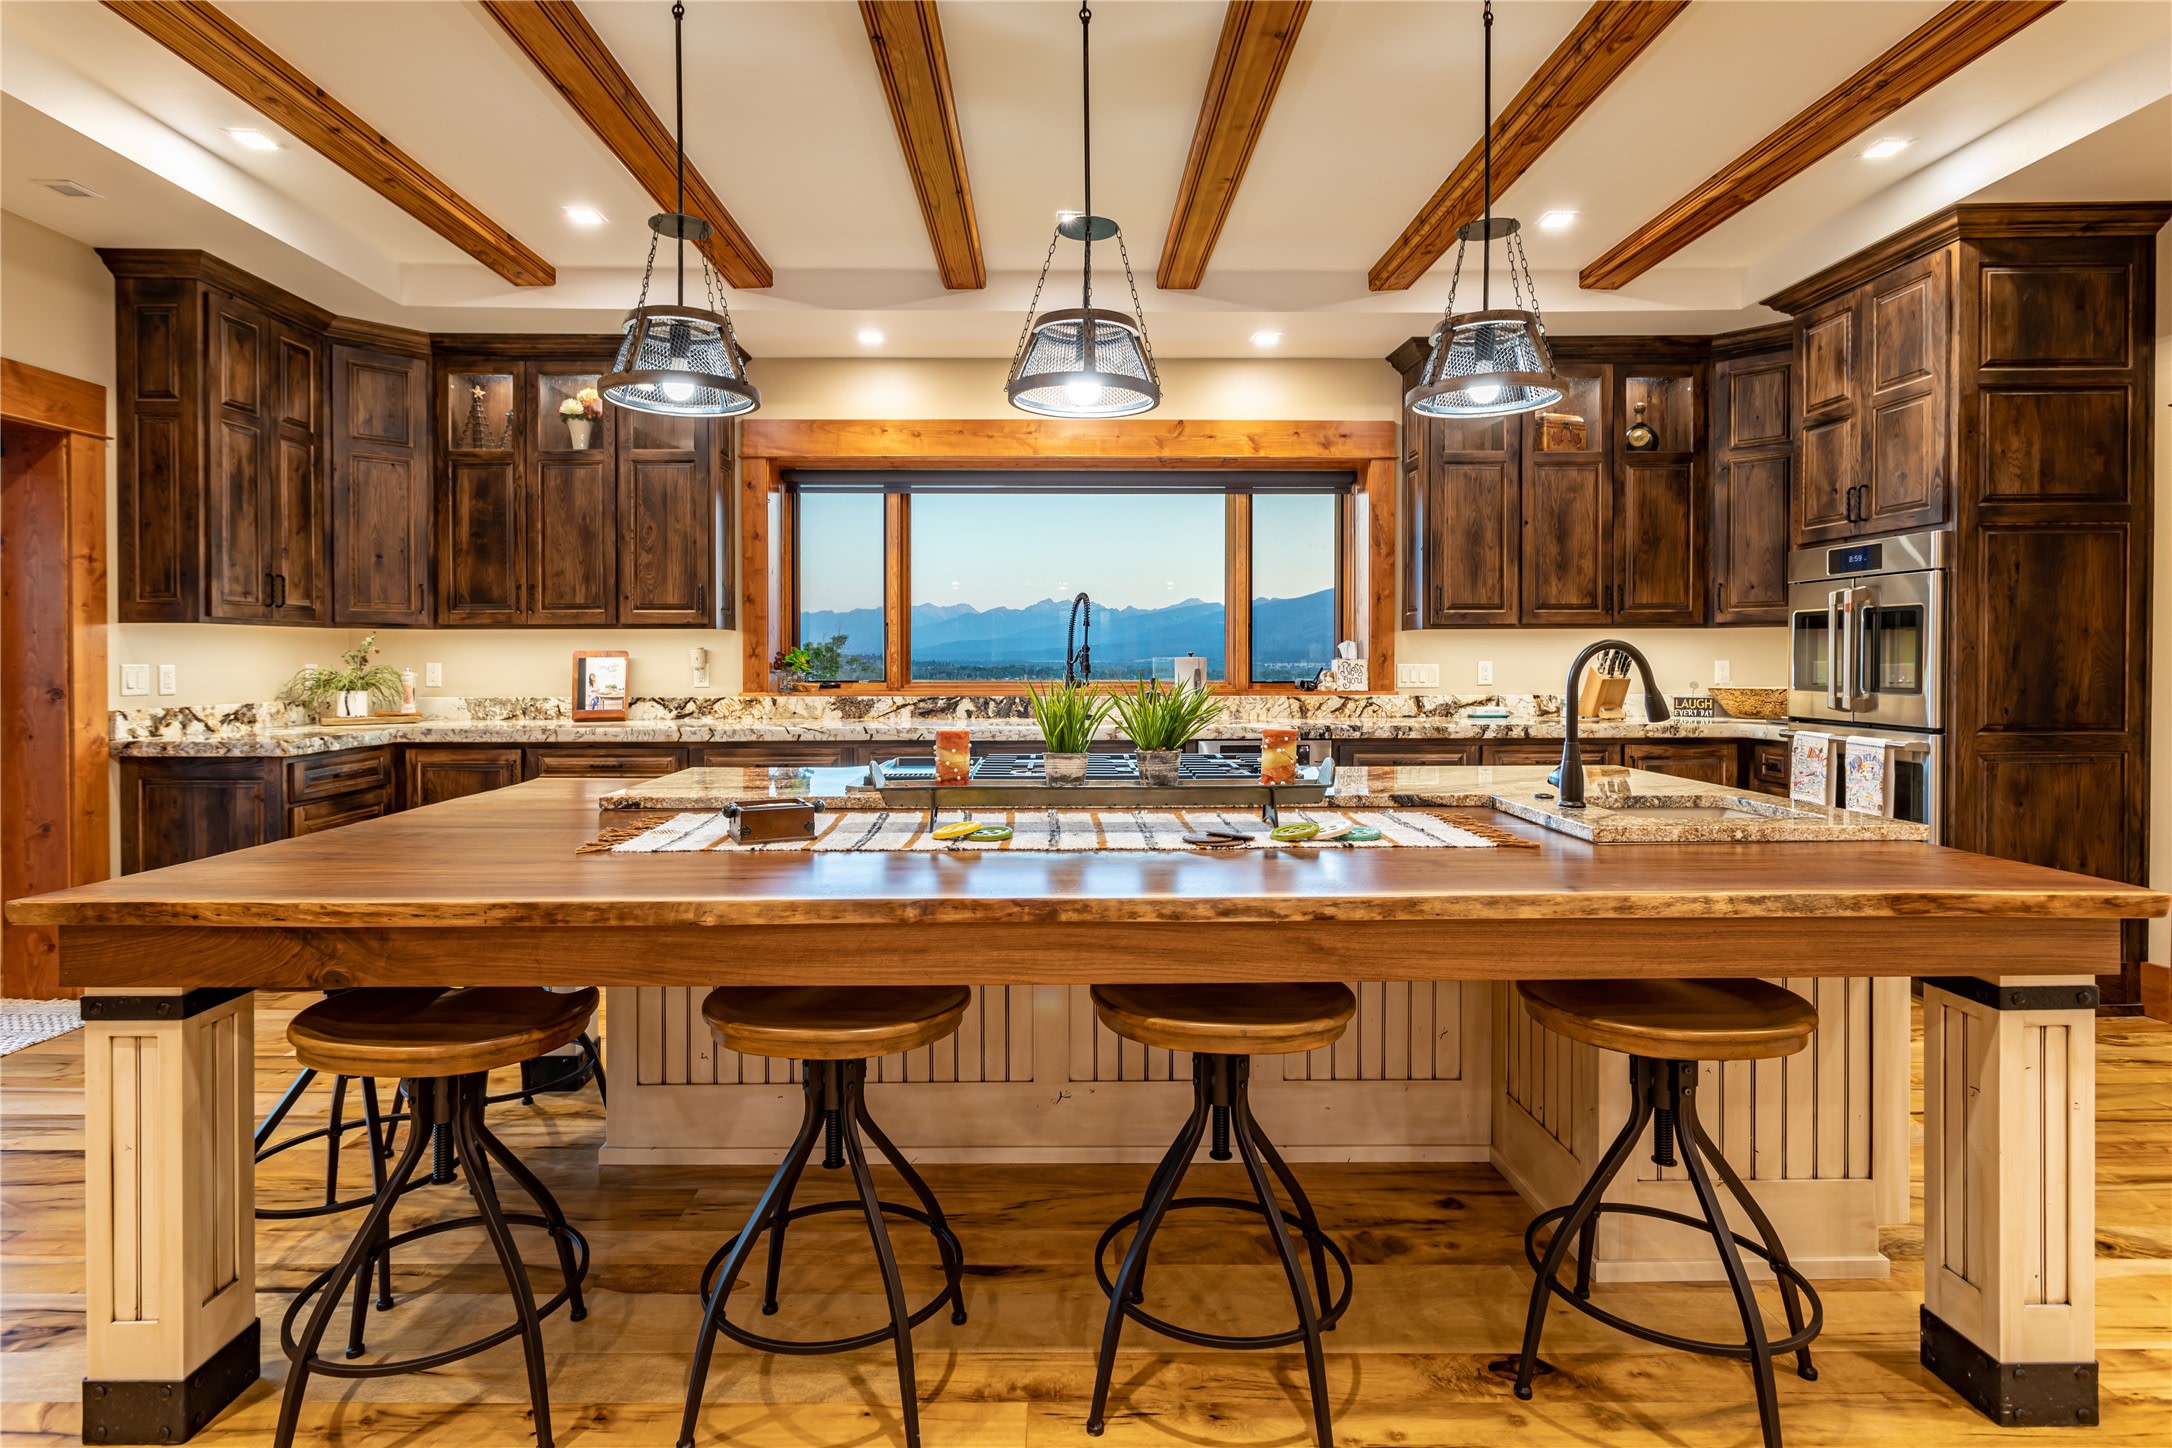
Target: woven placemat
<point>1045,831</point>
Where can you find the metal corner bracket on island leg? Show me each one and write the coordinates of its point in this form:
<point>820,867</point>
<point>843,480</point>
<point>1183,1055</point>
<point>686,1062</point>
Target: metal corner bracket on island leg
<point>2009,1195</point>
<point>169,1177</point>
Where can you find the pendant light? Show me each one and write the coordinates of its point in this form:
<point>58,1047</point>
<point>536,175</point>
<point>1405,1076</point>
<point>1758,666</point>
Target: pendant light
<point>1488,363</point>
<point>680,360</point>
<point>1085,361</point>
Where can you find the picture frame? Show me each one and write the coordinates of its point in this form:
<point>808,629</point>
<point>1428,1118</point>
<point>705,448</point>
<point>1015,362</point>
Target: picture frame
<point>599,684</point>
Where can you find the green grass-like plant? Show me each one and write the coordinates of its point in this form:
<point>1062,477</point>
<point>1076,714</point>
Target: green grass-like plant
<point>1068,716</point>
<point>1158,720</point>
<point>316,686</point>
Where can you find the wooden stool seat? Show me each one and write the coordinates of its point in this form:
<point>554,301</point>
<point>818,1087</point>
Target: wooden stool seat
<point>426,1032</point>
<point>1228,1020</point>
<point>1675,1020</point>
<point>833,1023</point>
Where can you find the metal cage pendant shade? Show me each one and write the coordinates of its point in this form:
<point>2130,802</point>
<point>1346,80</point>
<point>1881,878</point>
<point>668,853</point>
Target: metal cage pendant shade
<point>1494,361</point>
<point>677,359</point>
<point>1085,361</point>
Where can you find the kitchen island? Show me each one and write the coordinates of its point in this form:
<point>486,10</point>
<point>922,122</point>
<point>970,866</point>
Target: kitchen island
<point>491,890</point>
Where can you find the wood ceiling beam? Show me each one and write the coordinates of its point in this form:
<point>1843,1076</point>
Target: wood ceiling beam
<point>907,36</point>
<point>1948,42</point>
<point>1611,34</point>
<point>1258,37</point>
<point>207,39</point>
<point>572,57</point>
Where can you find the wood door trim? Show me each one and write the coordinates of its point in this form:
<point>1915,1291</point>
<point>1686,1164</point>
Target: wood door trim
<point>907,38</point>
<point>36,397</point>
<point>573,58</point>
<point>1258,37</point>
<point>1611,34</point>
<point>211,41</point>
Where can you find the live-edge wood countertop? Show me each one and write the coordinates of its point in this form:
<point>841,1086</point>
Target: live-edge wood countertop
<point>490,889</point>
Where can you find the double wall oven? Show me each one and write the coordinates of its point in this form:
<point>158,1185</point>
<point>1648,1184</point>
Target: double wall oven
<point>1867,622</point>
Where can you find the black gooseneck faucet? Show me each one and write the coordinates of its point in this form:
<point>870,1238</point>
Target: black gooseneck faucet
<point>1078,656</point>
<point>1571,773</point>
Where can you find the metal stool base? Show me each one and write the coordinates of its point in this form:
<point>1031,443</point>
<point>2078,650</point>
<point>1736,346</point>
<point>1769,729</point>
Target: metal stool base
<point>1234,1343</point>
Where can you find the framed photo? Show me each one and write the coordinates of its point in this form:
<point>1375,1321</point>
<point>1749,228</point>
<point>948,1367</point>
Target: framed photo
<point>599,684</point>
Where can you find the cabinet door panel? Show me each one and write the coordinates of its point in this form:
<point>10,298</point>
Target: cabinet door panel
<point>1528,752</point>
<point>573,573</point>
<point>1831,459</point>
<point>238,522</point>
<point>1567,541</point>
<point>1750,554</point>
<point>1660,577</point>
<point>174,811</point>
<point>480,564</point>
<point>435,774</point>
<point>1828,358</point>
<point>1717,762</point>
<point>297,505</point>
<point>667,538</point>
<point>157,566</point>
<point>789,754</point>
<point>581,763</point>
<point>380,489</point>
<point>1909,377</point>
<point>1470,544</point>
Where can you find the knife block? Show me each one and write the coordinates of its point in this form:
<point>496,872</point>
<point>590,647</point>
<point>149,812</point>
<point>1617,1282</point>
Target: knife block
<point>1601,697</point>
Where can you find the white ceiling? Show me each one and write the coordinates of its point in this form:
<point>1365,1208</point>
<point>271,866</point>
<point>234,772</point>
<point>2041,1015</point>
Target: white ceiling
<point>786,119</point>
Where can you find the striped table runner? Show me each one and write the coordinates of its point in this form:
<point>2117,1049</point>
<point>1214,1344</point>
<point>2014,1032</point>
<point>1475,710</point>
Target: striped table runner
<point>1058,830</point>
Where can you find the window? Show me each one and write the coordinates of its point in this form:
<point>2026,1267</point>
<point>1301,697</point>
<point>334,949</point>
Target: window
<point>993,561</point>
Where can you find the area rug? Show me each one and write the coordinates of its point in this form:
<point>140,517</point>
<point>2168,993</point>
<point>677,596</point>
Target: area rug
<point>1063,831</point>
<point>25,1023</point>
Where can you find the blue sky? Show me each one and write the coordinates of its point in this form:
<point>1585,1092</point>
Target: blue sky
<point>1129,550</point>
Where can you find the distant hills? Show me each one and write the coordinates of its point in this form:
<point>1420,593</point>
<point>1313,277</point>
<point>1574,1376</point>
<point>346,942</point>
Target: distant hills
<point>1292,631</point>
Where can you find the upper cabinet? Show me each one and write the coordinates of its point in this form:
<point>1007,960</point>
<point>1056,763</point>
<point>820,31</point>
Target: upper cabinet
<point>380,488</point>
<point>221,481</point>
<point>1752,460</point>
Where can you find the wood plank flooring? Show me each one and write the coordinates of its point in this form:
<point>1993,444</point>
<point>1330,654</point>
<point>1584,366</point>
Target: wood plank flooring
<point>1440,1292</point>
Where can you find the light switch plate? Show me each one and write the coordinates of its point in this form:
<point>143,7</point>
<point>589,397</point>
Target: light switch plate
<point>135,678</point>
<point>166,684</point>
<point>1417,676</point>
<point>1485,671</point>
<point>1723,672</point>
<point>433,676</point>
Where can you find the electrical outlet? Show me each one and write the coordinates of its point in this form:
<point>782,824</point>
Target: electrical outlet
<point>135,678</point>
<point>1418,676</point>
<point>1485,671</point>
<point>699,659</point>
<point>1723,673</point>
<point>166,683</point>
<point>433,676</point>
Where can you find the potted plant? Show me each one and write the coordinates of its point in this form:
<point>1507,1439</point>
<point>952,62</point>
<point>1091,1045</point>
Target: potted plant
<point>1160,722</point>
<point>349,691</point>
<point>579,413</point>
<point>821,662</point>
<point>1068,715</point>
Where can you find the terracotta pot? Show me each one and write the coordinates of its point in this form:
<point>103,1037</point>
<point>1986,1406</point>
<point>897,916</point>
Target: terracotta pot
<point>1064,768</point>
<point>1159,766</point>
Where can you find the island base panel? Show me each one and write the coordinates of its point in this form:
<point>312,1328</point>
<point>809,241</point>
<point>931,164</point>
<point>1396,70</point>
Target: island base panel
<point>2009,1196</point>
<point>170,1211</point>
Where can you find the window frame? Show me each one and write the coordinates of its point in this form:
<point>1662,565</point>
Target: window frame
<point>769,448</point>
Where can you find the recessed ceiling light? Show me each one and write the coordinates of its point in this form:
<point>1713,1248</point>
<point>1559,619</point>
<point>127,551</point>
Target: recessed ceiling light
<point>1557,220</point>
<point>255,140</point>
<point>869,337</point>
<point>1880,150</point>
<point>585,216</point>
<point>1266,339</point>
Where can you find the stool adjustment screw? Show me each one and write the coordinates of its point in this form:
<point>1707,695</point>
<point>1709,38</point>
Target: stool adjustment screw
<point>1663,1136</point>
<point>1220,1149</point>
<point>833,1139</point>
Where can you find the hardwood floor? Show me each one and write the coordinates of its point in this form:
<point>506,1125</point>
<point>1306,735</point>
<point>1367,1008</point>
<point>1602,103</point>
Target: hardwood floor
<point>1440,1292</point>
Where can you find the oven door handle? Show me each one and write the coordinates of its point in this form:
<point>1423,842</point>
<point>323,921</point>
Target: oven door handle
<point>1837,681</point>
<point>1864,607</point>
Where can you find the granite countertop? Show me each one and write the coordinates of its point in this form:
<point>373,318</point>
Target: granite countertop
<point>1662,809</point>
<point>270,730</point>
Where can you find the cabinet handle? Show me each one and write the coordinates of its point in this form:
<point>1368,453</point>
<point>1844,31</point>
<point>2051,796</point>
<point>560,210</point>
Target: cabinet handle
<point>271,590</point>
<point>701,599</point>
<point>282,590</point>
<point>418,598</point>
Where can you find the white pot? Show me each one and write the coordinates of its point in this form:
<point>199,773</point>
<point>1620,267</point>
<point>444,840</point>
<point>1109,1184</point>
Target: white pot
<point>578,430</point>
<point>354,704</point>
<point>1159,766</point>
<point>1064,768</point>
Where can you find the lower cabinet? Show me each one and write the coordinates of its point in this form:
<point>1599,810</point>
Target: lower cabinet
<point>1766,768</point>
<point>1421,752</point>
<point>1546,751</point>
<point>176,810</point>
<point>1715,761</point>
<point>438,772</point>
<point>581,761</point>
<point>795,753</point>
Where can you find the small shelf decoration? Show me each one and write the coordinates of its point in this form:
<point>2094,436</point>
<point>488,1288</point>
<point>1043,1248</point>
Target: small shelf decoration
<point>599,684</point>
<point>351,691</point>
<point>1069,715</point>
<point>1641,438</point>
<point>802,664</point>
<point>1161,722</point>
<point>579,413</point>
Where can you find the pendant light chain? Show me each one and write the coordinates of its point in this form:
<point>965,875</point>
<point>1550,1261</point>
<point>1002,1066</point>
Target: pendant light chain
<point>1485,246</point>
<point>1033,308</point>
<point>678,118</point>
<point>1146,348</point>
<point>1086,114</point>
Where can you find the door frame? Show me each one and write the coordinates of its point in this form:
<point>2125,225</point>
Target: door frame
<point>55,792</point>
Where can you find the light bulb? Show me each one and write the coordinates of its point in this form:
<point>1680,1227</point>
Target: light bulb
<point>1083,393</point>
<point>1485,394</point>
<point>677,388</point>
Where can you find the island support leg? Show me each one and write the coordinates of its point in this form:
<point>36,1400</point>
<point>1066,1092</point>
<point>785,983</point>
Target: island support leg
<point>169,1212</point>
<point>2009,1200</point>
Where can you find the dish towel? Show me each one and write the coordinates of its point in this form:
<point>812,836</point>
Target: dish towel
<point>1867,784</point>
<point>1810,768</point>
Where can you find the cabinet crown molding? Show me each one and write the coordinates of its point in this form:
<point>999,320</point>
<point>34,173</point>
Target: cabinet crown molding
<point>201,266</point>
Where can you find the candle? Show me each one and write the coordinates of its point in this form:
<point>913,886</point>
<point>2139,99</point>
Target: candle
<point>1278,756</point>
<point>953,756</point>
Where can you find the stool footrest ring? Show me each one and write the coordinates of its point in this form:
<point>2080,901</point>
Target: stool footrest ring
<point>1329,1315</point>
<point>946,1242</point>
<point>1778,1347</point>
<point>337,1369</point>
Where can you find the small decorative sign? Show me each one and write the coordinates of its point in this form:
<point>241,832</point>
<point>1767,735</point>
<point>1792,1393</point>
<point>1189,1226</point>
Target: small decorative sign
<point>599,684</point>
<point>1694,706</point>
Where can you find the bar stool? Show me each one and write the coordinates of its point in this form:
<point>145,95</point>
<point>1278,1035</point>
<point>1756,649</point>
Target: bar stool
<point>1224,1026</point>
<point>441,1045</point>
<point>833,1033</point>
<point>1666,1027</point>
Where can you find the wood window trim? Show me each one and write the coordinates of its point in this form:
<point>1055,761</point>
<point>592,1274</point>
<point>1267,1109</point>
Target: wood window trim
<point>768,447</point>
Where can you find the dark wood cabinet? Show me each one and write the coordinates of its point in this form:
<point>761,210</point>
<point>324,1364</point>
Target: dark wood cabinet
<point>380,488</point>
<point>798,753</point>
<point>1568,508</point>
<point>585,761</point>
<point>1546,751</point>
<point>1466,498</point>
<point>1408,751</point>
<point>1752,456</point>
<point>1715,761</point>
<point>220,495</point>
<point>1658,564</point>
<point>435,773</point>
<point>1766,769</point>
<point>182,809</point>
